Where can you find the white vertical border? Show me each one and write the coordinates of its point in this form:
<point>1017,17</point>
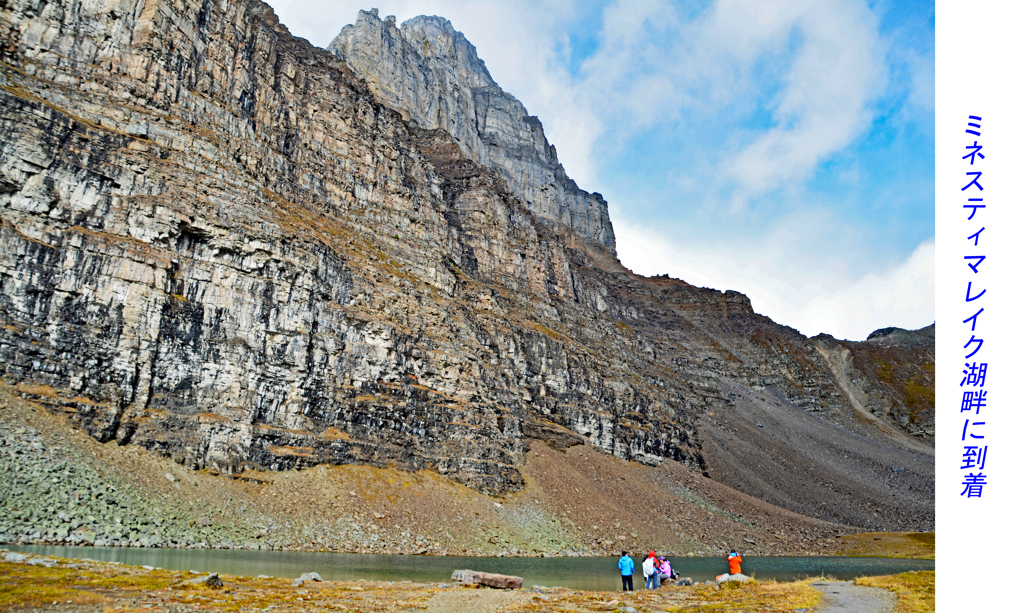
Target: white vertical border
<point>979,56</point>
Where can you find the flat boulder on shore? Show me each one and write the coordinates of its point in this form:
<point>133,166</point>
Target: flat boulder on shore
<point>306,577</point>
<point>727,577</point>
<point>503,582</point>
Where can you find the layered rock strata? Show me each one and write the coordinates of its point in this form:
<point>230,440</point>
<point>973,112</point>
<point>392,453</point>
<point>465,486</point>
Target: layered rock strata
<point>430,73</point>
<point>218,244</point>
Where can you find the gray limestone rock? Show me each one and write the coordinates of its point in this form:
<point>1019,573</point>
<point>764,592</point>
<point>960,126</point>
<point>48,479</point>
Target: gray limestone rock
<point>305,577</point>
<point>218,244</point>
<point>13,556</point>
<point>504,582</point>
<point>727,577</point>
<point>432,75</point>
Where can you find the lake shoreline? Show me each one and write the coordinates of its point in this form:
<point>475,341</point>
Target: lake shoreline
<point>592,573</point>
<point>915,546</point>
<point>432,554</point>
<point>48,583</point>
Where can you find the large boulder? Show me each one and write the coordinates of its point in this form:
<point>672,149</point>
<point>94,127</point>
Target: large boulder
<point>503,582</point>
<point>727,577</point>
<point>305,578</point>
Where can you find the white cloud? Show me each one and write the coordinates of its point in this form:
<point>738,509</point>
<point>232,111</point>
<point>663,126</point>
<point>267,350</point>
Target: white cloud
<point>903,296</point>
<point>631,79</point>
<point>806,286</point>
<point>922,83</point>
<point>836,72</point>
<point>825,58</point>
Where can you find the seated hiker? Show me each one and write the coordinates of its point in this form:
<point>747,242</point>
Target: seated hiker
<point>666,570</point>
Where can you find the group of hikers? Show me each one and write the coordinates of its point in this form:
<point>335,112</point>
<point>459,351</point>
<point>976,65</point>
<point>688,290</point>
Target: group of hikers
<point>657,569</point>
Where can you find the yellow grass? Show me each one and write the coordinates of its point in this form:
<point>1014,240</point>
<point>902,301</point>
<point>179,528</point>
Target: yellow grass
<point>915,590</point>
<point>121,588</point>
<point>23,585</point>
<point>753,596</point>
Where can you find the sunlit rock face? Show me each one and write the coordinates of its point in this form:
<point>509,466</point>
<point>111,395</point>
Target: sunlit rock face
<point>223,244</point>
<point>430,73</point>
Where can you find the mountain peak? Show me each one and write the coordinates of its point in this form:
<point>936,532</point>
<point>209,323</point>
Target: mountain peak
<point>431,74</point>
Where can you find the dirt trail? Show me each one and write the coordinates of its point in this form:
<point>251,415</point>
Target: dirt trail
<point>474,601</point>
<point>845,597</point>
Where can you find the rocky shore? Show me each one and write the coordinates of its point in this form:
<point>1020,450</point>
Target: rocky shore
<point>49,495</point>
<point>59,486</point>
<point>44,583</point>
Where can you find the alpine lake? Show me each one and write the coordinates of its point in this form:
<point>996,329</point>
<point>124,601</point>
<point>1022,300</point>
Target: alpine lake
<point>590,573</point>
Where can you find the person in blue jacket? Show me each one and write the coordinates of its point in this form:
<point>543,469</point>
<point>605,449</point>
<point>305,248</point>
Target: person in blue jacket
<point>626,567</point>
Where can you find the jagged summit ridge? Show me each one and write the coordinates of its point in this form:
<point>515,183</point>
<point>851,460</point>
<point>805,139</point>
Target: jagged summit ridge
<point>429,72</point>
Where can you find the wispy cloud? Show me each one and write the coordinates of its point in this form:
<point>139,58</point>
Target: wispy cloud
<point>837,70</point>
<point>822,61</point>
<point>904,293</point>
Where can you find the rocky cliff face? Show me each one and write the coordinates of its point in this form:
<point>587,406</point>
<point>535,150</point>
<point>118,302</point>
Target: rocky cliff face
<point>431,74</point>
<point>221,244</point>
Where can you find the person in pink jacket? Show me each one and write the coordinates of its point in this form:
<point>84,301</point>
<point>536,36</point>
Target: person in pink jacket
<point>665,569</point>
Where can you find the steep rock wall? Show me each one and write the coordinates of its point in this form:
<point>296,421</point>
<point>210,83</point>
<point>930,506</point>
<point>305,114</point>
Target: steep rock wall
<point>217,243</point>
<point>430,73</point>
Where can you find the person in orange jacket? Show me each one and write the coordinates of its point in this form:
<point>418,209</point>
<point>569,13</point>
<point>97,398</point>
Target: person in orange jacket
<point>734,562</point>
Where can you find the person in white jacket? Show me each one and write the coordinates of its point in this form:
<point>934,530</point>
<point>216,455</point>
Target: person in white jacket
<point>650,568</point>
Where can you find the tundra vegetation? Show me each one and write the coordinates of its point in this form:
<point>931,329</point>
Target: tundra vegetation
<point>53,583</point>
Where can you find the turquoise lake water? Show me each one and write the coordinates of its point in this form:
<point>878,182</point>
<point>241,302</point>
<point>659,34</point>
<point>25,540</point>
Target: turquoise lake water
<point>578,573</point>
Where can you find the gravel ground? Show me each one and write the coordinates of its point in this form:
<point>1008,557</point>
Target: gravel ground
<point>845,597</point>
<point>479,601</point>
<point>59,486</point>
<point>771,450</point>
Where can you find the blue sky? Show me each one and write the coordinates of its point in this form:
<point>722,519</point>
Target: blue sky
<point>784,149</point>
